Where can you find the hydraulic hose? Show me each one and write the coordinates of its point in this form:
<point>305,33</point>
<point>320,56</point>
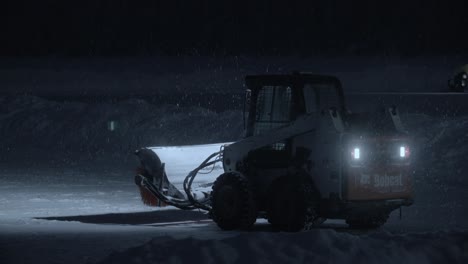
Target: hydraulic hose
<point>191,202</point>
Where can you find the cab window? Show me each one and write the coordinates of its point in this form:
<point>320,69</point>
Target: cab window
<point>273,108</point>
<point>310,99</point>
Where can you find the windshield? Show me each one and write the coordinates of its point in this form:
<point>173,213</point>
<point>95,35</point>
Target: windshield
<point>273,108</point>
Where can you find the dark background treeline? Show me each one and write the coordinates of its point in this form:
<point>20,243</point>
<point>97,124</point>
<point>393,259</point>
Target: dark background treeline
<point>232,27</point>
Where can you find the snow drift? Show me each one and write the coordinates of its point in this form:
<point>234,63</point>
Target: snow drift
<point>316,246</point>
<point>39,132</point>
<point>35,131</point>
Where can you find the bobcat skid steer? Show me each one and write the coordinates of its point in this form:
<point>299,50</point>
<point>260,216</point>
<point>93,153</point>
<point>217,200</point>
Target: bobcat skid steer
<point>304,158</point>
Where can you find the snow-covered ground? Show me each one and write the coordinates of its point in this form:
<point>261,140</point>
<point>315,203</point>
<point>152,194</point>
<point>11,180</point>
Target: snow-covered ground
<point>59,159</point>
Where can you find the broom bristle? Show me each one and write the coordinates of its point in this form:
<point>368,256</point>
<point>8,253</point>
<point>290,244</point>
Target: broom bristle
<point>148,198</point>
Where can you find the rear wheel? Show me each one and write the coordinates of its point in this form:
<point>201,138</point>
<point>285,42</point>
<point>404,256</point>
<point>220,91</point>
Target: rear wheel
<point>293,202</point>
<point>233,206</point>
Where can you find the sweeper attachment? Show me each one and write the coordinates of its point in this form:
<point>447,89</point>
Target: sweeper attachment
<point>304,158</point>
<point>155,188</point>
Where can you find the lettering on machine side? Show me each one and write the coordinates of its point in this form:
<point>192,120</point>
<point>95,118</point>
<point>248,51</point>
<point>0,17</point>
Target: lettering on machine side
<point>380,181</point>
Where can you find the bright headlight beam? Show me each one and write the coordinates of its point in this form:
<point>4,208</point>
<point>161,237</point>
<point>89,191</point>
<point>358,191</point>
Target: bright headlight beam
<point>402,152</point>
<point>357,153</point>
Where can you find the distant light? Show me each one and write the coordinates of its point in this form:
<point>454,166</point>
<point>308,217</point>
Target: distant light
<point>464,76</point>
<point>112,125</point>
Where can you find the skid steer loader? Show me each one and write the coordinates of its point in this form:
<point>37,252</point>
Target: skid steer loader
<point>304,158</point>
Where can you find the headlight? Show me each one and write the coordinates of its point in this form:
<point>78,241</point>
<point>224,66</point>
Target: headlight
<point>404,152</point>
<point>356,153</point>
<point>464,76</point>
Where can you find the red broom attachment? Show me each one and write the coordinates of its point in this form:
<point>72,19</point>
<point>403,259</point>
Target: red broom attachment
<point>146,196</point>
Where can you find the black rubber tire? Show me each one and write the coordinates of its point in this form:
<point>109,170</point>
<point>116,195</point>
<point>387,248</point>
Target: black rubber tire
<point>367,222</point>
<point>233,206</point>
<point>288,200</point>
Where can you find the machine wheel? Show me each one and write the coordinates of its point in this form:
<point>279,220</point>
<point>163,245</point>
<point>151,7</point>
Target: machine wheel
<point>371,221</point>
<point>292,200</point>
<point>233,206</point>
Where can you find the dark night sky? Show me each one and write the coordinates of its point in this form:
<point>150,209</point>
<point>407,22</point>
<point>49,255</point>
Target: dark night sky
<point>207,27</point>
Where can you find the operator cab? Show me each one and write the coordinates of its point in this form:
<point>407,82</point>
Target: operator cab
<point>278,100</point>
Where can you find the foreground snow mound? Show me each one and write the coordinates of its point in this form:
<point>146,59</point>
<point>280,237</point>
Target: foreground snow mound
<point>316,246</point>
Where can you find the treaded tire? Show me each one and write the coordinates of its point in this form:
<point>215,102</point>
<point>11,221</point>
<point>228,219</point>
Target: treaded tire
<point>289,197</point>
<point>233,206</point>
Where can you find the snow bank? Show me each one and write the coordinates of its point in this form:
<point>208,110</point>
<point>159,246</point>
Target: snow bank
<point>37,131</point>
<point>34,130</point>
<point>316,246</point>
<point>440,148</point>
